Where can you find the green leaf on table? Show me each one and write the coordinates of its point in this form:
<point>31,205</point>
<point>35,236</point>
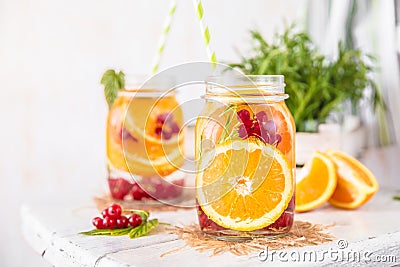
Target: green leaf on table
<point>144,214</point>
<point>112,232</point>
<point>143,229</point>
<point>396,198</point>
<point>112,82</point>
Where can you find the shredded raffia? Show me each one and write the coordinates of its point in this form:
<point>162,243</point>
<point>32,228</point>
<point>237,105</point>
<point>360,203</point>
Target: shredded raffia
<point>302,234</point>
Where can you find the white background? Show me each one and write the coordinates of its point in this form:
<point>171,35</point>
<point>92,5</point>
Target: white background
<point>52,55</point>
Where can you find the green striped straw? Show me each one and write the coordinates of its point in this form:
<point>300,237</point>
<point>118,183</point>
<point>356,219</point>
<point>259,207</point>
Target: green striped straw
<point>163,39</point>
<point>205,31</point>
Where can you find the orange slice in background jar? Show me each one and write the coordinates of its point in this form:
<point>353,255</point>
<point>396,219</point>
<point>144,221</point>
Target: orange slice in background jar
<point>244,185</point>
<point>147,152</point>
<point>114,134</point>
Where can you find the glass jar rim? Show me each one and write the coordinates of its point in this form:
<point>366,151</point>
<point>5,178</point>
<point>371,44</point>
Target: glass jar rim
<point>141,85</point>
<point>256,78</point>
<point>243,83</point>
<point>142,82</point>
<point>246,87</point>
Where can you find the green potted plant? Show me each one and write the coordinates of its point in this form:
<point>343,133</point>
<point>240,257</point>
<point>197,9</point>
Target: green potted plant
<point>318,87</point>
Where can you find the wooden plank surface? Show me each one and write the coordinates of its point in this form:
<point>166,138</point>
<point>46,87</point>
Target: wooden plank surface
<point>52,229</point>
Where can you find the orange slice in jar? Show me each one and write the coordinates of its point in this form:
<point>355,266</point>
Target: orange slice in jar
<point>317,183</point>
<point>142,119</point>
<point>156,153</point>
<point>140,165</point>
<point>244,185</point>
<point>356,184</point>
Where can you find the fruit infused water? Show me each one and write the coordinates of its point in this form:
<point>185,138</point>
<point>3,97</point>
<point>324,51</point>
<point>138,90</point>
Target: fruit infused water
<point>245,158</point>
<point>143,144</point>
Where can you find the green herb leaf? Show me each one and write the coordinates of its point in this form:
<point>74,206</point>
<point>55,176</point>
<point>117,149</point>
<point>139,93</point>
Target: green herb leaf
<point>112,232</point>
<point>227,132</point>
<point>112,83</point>
<point>144,214</point>
<point>143,229</point>
<point>396,198</point>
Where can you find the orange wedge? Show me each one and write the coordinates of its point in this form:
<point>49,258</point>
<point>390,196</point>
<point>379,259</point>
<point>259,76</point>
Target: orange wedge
<point>245,185</point>
<point>317,184</point>
<point>356,184</point>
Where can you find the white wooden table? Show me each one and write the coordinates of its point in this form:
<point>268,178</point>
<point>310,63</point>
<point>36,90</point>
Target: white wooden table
<point>374,229</point>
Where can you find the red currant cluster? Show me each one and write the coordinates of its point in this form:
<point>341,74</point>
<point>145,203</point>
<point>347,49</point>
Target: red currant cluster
<point>206,222</point>
<point>113,218</point>
<point>286,219</point>
<point>258,126</point>
<point>120,188</point>
<point>166,126</point>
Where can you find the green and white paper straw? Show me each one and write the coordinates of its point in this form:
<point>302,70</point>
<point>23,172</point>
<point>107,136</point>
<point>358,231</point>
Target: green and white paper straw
<point>205,31</point>
<point>162,42</point>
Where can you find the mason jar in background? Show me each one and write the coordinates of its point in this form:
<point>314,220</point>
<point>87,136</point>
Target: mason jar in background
<point>143,142</point>
<point>245,158</point>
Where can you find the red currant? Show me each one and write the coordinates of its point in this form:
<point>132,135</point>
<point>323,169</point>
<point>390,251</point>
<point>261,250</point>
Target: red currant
<point>256,129</point>
<point>243,132</point>
<point>261,117</point>
<point>175,128</point>
<point>205,222</point>
<point>104,213</point>
<point>125,134</point>
<point>135,220</point>
<point>138,193</point>
<point>278,138</point>
<point>166,135</point>
<point>122,222</point>
<point>98,222</point>
<point>114,211</point>
<point>269,126</point>
<point>244,116</point>
<point>158,131</point>
<point>119,187</point>
<point>162,118</point>
<point>286,219</point>
<point>109,223</point>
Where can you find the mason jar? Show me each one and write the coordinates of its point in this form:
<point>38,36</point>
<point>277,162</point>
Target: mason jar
<point>245,158</point>
<point>144,140</point>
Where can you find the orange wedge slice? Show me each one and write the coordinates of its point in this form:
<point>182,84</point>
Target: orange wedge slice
<point>244,185</point>
<point>356,184</point>
<point>317,184</point>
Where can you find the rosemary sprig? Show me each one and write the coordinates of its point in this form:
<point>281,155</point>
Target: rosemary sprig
<point>226,133</point>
